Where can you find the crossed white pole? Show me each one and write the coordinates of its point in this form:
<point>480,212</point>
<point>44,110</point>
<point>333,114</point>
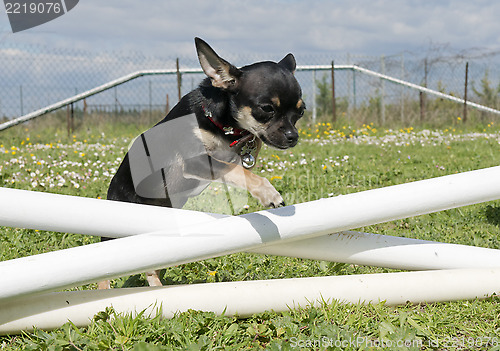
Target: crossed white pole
<point>153,237</point>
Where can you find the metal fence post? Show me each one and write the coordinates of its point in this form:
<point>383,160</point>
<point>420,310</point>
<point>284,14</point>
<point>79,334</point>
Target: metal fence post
<point>68,123</point>
<point>179,79</point>
<point>70,119</point>
<point>402,88</point>
<point>21,99</point>
<point>465,90</point>
<point>382,96</point>
<point>422,106</point>
<point>150,99</point>
<point>349,89</point>
<point>314,96</point>
<point>422,94</point>
<point>334,109</point>
<point>167,106</point>
<point>116,101</point>
<point>354,104</point>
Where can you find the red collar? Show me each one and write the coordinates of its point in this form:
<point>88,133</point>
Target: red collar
<point>228,130</point>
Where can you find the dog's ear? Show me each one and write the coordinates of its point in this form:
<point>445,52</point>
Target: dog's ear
<point>289,63</point>
<point>222,74</point>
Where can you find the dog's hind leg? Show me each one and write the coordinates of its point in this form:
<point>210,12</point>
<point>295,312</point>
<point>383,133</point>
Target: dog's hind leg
<point>104,284</point>
<point>153,278</point>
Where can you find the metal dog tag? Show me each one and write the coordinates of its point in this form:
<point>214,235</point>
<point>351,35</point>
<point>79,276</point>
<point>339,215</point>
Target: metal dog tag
<point>248,160</point>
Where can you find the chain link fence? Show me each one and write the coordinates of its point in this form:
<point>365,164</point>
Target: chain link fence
<point>32,77</point>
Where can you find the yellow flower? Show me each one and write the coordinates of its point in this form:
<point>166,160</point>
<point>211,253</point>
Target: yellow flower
<point>212,273</point>
<point>276,177</point>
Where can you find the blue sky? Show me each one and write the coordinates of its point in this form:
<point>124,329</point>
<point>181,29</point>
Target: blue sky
<point>101,40</point>
<point>167,28</point>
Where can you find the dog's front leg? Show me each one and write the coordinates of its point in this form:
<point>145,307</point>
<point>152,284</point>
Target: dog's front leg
<point>233,174</point>
<point>259,187</point>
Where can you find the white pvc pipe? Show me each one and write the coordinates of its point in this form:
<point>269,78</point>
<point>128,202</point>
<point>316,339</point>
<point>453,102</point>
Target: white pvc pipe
<point>82,215</point>
<point>96,217</point>
<point>73,214</point>
<point>48,311</point>
<point>386,251</point>
<point>80,265</point>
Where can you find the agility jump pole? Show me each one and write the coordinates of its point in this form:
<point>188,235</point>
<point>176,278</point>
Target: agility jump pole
<point>52,310</point>
<point>71,214</point>
<point>139,253</point>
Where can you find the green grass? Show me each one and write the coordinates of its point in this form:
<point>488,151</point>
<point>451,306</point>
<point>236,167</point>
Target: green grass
<point>327,162</point>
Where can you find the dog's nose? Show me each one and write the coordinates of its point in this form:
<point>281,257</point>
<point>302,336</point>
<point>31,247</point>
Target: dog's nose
<point>292,137</point>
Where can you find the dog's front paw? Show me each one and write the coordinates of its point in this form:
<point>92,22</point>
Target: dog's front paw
<point>267,194</point>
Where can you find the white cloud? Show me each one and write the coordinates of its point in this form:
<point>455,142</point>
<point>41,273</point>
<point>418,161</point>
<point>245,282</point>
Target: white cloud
<point>167,28</point>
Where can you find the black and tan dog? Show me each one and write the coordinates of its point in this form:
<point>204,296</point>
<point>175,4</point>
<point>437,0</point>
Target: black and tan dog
<point>234,110</point>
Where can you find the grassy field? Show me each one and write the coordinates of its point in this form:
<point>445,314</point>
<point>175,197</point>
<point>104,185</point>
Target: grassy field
<point>327,162</point>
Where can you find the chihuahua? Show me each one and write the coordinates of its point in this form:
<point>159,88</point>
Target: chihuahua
<point>230,114</point>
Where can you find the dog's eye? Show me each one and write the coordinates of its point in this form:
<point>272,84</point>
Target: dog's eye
<point>267,108</point>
